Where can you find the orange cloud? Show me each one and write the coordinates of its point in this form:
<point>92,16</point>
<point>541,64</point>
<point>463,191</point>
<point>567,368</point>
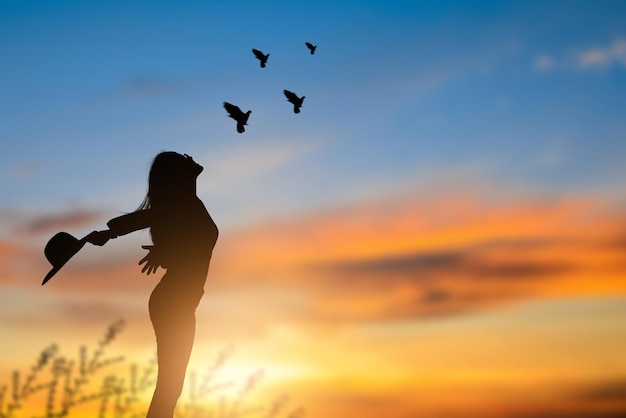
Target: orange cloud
<point>406,257</point>
<point>8,249</point>
<point>414,257</point>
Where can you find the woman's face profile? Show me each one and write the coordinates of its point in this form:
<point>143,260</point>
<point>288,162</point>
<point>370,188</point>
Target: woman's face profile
<point>172,174</point>
<point>196,168</point>
<point>172,165</point>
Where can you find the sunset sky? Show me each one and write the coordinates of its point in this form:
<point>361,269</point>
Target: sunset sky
<point>440,233</point>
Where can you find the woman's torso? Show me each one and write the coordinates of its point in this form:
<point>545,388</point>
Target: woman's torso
<point>184,237</point>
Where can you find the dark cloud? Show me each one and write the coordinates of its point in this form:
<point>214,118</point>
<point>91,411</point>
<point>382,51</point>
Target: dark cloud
<point>59,222</point>
<point>30,169</point>
<point>468,262</point>
<point>605,392</point>
<point>436,296</point>
<point>436,283</point>
<point>582,412</point>
<point>605,399</point>
<point>517,269</point>
<point>619,242</point>
<point>520,244</point>
<point>415,263</point>
<point>149,86</point>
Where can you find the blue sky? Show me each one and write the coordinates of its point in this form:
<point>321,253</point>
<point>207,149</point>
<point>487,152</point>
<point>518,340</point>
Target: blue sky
<point>394,87</point>
<point>399,95</point>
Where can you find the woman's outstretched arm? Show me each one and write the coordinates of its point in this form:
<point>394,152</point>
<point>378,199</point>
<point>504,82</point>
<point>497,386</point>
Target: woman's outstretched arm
<point>121,225</point>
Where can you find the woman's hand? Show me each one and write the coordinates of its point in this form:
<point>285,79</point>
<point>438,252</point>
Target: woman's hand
<point>151,259</point>
<point>99,238</point>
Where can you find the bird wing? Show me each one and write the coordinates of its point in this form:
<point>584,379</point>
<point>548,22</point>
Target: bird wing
<point>258,54</point>
<point>233,111</point>
<point>309,45</point>
<point>292,97</point>
<point>246,116</point>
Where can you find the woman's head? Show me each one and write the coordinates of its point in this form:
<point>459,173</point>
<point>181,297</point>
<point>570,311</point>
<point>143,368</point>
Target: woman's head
<point>172,176</point>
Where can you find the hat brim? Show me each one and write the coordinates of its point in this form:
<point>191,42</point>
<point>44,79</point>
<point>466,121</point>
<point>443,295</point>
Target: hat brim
<point>50,274</point>
<point>56,269</point>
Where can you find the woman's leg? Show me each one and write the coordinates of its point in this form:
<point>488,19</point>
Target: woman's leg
<point>174,335</point>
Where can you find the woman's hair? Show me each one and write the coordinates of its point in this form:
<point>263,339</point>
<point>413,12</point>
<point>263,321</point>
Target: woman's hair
<point>168,173</point>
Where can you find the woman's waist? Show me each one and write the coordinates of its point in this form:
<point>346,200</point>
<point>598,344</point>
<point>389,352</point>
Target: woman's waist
<point>175,284</point>
<point>187,266</point>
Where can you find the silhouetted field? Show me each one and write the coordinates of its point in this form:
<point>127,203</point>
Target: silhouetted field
<point>92,385</point>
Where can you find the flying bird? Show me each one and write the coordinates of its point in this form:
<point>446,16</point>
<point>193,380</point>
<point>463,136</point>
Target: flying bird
<point>261,57</point>
<point>236,113</point>
<point>311,47</point>
<point>294,99</point>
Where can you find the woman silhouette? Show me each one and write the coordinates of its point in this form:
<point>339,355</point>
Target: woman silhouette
<point>183,235</point>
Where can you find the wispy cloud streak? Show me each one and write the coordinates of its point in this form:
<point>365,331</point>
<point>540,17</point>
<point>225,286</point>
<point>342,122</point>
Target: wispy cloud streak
<point>45,224</point>
<point>599,58</point>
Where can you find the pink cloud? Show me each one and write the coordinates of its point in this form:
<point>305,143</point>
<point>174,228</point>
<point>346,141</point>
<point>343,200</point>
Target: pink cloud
<point>59,222</point>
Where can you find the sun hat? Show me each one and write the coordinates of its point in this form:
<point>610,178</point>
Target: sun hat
<point>59,250</point>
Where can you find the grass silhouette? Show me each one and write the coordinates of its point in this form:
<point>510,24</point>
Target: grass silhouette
<point>65,387</point>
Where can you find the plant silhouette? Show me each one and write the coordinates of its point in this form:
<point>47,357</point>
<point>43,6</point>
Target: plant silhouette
<point>65,386</point>
<point>183,236</point>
